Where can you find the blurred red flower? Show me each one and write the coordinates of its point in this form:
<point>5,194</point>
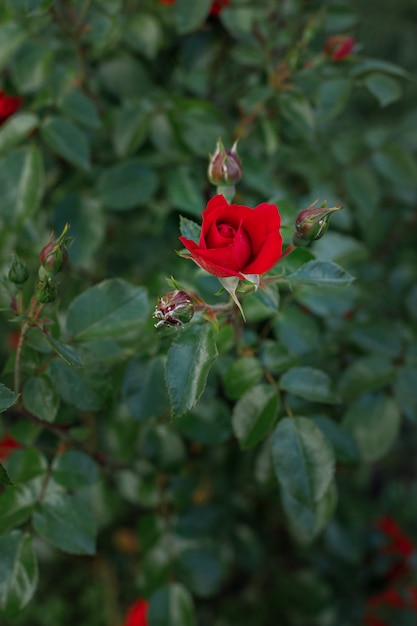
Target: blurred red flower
<point>136,614</point>
<point>216,7</point>
<point>338,47</point>
<point>388,602</point>
<point>398,547</point>
<point>8,445</point>
<point>8,105</point>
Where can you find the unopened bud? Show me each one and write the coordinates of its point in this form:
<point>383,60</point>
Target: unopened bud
<point>311,224</point>
<point>338,47</point>
<point>45,292</point>
<point>18,272</point>
<point>175,308</point>
<point>54,256</point>
<point>224,167</point>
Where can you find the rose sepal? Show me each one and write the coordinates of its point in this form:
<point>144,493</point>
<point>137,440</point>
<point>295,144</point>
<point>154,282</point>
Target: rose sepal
<point>230,283</point>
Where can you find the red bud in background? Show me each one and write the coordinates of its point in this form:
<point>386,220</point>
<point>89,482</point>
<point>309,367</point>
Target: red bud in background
<point>338,47</point>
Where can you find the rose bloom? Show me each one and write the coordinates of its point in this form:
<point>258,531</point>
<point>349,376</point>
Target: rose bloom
<point>338,47</point>
<point>137,614</point>
<point>8,445</point>
<point>236,240</point>
<point>216,7</point>
<point>8,105</point>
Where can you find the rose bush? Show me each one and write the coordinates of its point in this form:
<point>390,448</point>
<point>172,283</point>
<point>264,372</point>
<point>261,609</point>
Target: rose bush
<point>237,240</point>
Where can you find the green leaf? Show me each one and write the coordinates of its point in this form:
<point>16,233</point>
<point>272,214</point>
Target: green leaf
<point>31,185</point>
<point>80,108</point>
<point>242,374</point>
<point>67,140</point>
<point>189,360</point>
<point>16,503</point>
<point>303,460</point>
<point>74,469</point>
<point>344,446</point>
<point>254,414</point>
<point>7,397</point>
<point>26,464</point>
<point>142,390</point>
<point>15,129</point>
<point>11,37</point>
<point>184,190</point>
<point>366,66</point>
<point>365,374</point>
<point>4,476</point>
<point>127,185</point>
<point>32,66</point>
<point>171,605</point>
<point>22,184</point>
<point>82,388</point>
<point>32,8</point>
<point>201,571</point>
<point>332,97</point>
<point>189,16</point>
<point>297,331</point>
<point>198,123</point>
<point>189,229</point>
<point>373,420</point>
<point>40,399</point>
<point>307,523</point>
<point>396,164</point>
<point>298,115</point>
<point>309,383</point>
<point>405,391</point>
<point>66,522</point>
<point>322,273</point>
<point>66,352</point>
<point>385,88</point>
<point>18,572</point>
<point>131,127</point>
<point>111,308</point>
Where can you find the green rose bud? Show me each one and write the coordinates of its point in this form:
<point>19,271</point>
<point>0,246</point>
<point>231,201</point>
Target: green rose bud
<point>311,224</point>
<point>18,272</point>
<point>54,256</point>
<point>45,292</point>
<point>224,167</point>
<point>175,308</point>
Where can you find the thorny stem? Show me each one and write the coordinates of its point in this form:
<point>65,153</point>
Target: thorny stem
<point>32,314</point>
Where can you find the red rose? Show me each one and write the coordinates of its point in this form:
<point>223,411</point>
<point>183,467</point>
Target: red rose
<point>236,240</point>
<point>8,445</point>
<point>338,47</point>
<point>137,614</point>
<point>8,105</point>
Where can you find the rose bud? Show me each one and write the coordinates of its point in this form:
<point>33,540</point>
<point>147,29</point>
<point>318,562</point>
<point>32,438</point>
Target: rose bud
<point>18,272</point>
<point>8,445</point>
<point>224,166</point>
<point>54,256</point>
<point>45,292</point>
<point>338,47</point>
<point>175,308</point>
<point>311,224</point>
<point>237,240</point>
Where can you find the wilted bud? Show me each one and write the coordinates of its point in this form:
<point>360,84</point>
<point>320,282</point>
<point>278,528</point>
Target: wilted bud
<point>311,224</point>
<point>54,256</point>
<point>18,272</point>
<point>175,308</point>
<point>45,292</point>
<point>224,166</point>
<point>338,47</point>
